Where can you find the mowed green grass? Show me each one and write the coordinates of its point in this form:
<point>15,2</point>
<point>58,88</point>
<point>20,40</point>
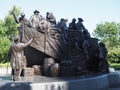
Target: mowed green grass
<point>114,65</point>
<point>5,64</point>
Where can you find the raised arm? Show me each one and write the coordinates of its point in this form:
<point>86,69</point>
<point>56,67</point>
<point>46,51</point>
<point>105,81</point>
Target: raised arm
<point>26,44</point>
<point>16,20</point>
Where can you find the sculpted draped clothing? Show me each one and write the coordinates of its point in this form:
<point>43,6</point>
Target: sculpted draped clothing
<point>16,55</point>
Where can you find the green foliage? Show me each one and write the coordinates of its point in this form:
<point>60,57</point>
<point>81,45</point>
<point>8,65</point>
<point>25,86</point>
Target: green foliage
<point>108,32</point>
<point>114,55</point>
<point>11,27</point>
<point>2,29</point>
<point>10,24</point>
<point>5,64</point>
<point>115,65</point>
<point>4,46</point>
<point>105,30</point>
<point>8,29</point>
<point>15,10</point>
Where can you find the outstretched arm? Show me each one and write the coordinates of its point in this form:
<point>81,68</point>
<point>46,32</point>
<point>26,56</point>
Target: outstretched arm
<point>26,44</point>
<point>16,20</point>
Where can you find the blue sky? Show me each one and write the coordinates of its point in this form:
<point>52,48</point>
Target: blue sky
<point>92,11</point>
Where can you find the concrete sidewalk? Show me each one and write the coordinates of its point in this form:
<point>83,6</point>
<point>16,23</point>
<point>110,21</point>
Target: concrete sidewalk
<point>109,81</point>
<point>4,70</point>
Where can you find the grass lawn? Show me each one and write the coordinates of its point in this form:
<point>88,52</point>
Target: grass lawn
<point>5,64</point>
<point>114,65</point>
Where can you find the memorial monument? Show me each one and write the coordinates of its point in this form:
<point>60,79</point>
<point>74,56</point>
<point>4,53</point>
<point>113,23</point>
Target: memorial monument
<point>60,51</point>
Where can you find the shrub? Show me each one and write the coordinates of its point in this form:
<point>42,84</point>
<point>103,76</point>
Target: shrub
<point>4,46</point>
<point>114,55</point>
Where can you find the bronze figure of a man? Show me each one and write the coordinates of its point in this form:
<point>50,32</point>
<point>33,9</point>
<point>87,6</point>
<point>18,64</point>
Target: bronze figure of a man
<point>15,55</point>
<point>35,19</point>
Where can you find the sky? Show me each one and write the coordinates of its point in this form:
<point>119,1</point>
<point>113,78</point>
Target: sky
<point>92,11</point>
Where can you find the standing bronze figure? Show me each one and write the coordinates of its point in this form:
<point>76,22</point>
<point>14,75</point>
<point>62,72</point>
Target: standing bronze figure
<point>16,56</point>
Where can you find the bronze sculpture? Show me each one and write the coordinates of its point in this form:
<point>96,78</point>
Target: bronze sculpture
<point>103,63</point>
<point>80,25</point>
<point>16,56</point>
<point>62,50</point>
<point>72,25</point>
<point>35,19</point>
<point>51,18</point>
<point>21,21</point>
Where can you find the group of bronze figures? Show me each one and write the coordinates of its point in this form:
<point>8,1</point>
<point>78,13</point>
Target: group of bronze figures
<point>55,49</point>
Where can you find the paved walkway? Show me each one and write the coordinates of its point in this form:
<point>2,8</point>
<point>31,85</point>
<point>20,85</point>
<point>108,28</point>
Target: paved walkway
<point>4,71</point>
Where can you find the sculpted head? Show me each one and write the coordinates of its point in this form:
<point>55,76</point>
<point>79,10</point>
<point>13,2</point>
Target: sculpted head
<point>22,14</point>
<point>36,12</point>
<point>80,19</point>
<point>73,20</point>
<point>16,39</point>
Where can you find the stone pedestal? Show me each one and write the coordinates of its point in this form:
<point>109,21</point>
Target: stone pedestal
<point>28,72</point>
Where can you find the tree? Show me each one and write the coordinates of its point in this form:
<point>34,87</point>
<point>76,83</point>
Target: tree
<point>8,29</point>
<point>114,55</point>
<point>108,32</point>
<point>2,28</point>
<point>10,24</point>
<point>4,46</point>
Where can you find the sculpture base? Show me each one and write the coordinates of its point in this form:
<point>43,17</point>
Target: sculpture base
<point>97,82</point>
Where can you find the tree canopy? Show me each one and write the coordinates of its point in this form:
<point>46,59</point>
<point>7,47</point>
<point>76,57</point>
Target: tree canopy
<point>8,29</point>
<point>108,32</point>
<point>10,24</point>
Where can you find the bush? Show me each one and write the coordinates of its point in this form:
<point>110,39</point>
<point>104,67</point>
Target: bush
<point>115,65</point>
<point>4,46</point>
<point>114,55</point>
